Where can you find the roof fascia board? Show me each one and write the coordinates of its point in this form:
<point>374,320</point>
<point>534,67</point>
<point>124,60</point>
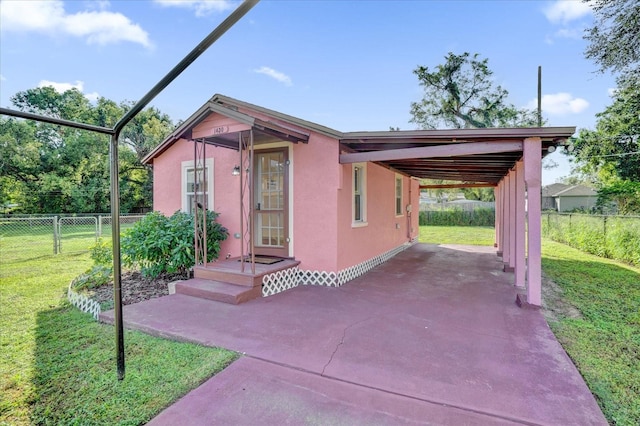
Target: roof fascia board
<point>432,151</point>
<point>327,131</point>
<point>498,132</point>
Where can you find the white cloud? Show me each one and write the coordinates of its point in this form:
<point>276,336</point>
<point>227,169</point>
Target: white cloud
<point>201,7</point>
<point>63,87</point>
<point>563,11</point>
<point>49,17</point>
<point>277,75</point>
<point>572,33</point>
<point>560,104</point>
<point>612,91</point>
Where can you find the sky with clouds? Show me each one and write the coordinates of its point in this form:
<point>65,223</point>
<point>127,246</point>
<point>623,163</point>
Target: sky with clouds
<point>343,64</point>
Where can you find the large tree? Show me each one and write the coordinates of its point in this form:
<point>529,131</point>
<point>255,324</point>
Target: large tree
<point>461,94</point>
<point>612,151</point>
<point>614,38</point>
<point>51,169</point>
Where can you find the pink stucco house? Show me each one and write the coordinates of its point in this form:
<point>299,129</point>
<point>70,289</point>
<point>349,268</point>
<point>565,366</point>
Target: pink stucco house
<point>306,204</point>
<point>334,219</point>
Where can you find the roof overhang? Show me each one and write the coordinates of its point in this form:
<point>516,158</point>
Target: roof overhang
<point>263,131</point>
<point>471,156</point>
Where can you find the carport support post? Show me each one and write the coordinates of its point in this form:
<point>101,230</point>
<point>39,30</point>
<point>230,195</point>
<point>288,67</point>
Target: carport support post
<point>496,219</point>
<point>532,175</point>
<point>506,220</point>
<point>520,226</point>
<point>499,227</point>
<point>512,220</point>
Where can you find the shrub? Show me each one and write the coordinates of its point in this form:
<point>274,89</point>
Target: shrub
<point>458,217</point>
<point>95,277</point>
<point>102,252</point>
<point>160,244</point>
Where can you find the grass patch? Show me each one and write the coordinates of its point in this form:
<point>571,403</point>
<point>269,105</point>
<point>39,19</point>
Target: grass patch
<point>605,342</point>
<point>467,235</point>
<point>58,365</point>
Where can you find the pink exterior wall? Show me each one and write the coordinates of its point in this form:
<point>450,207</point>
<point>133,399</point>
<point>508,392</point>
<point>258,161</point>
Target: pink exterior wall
<point>384,230</point>
<point>323,237</point>
<point>167,191</point>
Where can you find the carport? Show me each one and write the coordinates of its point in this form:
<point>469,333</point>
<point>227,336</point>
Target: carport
<point>507,159</point>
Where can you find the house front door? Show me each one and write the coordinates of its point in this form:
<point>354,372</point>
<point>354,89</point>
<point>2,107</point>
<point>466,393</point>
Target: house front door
<point>271,203</point>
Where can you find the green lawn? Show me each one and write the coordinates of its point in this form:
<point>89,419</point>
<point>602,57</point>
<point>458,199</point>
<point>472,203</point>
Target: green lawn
<point>58,364</point>
<point>467,235</point>
<point>604,342</point>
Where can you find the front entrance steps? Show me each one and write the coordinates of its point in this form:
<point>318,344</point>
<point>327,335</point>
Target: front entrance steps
<point>224,281</point>
<point>218,291</point>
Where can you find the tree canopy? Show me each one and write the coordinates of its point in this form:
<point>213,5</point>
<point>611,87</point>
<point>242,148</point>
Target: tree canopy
<point>611,152</point>
<point>614,38</point>
<point>46,168</point>
<point>460,94</point>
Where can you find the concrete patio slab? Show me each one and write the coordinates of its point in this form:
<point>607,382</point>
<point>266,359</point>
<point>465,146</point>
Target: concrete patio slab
<point>252,391</point>
<point>435,324</point>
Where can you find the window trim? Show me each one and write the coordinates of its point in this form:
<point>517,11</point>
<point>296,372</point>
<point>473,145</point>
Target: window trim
<point>399,197</point>
<point>187,165</point>
<point>360,168</point>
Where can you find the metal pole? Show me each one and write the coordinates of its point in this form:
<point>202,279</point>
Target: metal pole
<point>234,17</point>
<point>539,96</point>
<point>115,239</point>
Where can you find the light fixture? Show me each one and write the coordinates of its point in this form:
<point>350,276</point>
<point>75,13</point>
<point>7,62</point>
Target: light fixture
<point>551,149</point>
<point>236,171</point>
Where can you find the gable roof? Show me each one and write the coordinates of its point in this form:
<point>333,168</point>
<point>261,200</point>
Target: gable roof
<point>553,189</point>
<point>480,156</point>
<point>577,191</point>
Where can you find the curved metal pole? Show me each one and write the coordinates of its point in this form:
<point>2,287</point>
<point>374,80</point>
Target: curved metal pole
<point>53,120</point>
<point>115,188</point>
<point>234,17</point>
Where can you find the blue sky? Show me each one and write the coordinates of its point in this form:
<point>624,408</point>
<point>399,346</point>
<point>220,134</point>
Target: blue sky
<point>343,64</point>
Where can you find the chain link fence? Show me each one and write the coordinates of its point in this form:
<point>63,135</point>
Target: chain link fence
<point>31,236</point>
<point>615,237</point>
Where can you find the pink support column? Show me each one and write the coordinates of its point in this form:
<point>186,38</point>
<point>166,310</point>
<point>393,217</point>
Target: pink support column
<point>521,265</point>
<point>533,176</point>
<point>496,217</point>
<point>499,218</point>
<point>506,220</point>
<point>512,221</point>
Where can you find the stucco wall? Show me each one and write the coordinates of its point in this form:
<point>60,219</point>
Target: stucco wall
<point>569,203</point>
<point>322,237</point>
<point>384,230</point>
<point>167,187</point>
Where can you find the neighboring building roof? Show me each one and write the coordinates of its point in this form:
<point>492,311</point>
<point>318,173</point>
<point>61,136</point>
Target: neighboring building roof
<point>553,189</point>
<point>577,191</point>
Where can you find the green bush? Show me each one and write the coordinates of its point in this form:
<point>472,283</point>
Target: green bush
<point>458,217</point>
<point>160,244</point>
<point>95,277</point>
<point>102,252</point>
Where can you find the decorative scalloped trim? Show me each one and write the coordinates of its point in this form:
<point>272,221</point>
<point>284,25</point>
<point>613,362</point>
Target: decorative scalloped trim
<point>83,303</point>
<point>289,278</point>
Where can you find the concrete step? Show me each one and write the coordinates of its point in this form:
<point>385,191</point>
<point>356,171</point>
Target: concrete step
<point>218,291</point>
<point>228,276</point>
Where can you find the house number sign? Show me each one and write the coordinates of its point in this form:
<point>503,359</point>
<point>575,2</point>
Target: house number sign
<point>220,130</point>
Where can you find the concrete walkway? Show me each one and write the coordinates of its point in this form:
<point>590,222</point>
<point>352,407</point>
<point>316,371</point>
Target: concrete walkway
<point>433,336</point>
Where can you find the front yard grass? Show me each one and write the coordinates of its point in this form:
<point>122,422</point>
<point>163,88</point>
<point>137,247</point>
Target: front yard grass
<point>58,364</point>
<point>604,340</point>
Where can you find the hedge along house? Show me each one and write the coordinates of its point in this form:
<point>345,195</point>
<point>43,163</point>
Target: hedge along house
<point>306,204</point>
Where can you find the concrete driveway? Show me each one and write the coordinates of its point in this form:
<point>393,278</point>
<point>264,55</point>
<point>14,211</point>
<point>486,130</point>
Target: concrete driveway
<point>432,336</point>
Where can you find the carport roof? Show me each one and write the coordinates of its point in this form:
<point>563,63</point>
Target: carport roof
<point>474,156</point>
<point>477,156</point>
